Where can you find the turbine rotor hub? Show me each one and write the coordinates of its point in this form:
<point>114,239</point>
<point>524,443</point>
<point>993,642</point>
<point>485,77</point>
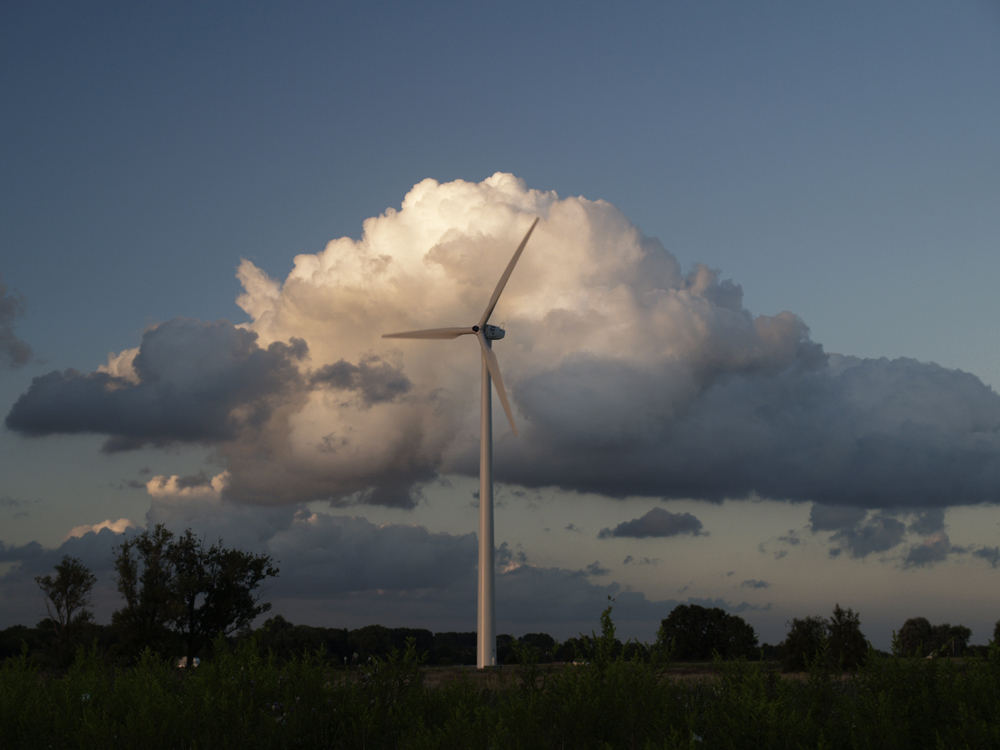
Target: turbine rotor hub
<point>493,333</point>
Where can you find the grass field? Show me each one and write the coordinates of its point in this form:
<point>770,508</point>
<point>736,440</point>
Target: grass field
<point>242,698</point>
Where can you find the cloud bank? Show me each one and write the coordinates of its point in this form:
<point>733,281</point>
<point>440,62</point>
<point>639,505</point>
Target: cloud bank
<point>628,375</point>
<point>346,571</point>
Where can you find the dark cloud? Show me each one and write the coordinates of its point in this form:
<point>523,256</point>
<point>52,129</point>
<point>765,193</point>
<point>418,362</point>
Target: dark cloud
<point>989,554</point>
<point>928,522</point>
<point>197,382</point>
<point>934,549</point>
<point>630,560</point>
<point>596,569</point>
<point>19,553</point>
<point>840,431</point>
<point>791,538</point>
<point>331,556</point>
<point>834,518</point>
<point>505,557</point>
<point>374,379</point>
<point>753,583</point>
<point>877,534</point>
<point>656,523</point>
<point>13,351</point>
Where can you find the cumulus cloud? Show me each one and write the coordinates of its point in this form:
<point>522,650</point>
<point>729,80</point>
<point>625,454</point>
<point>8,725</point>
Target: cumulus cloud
<point>628,375</point>
<point>374,379</point>
<point>196,382</point>
<point>196,486</point>
<point>13,351</point>
<point>753,583</point>
<point>344,571</point>
<point>116,527</point>
<point>656,523</point>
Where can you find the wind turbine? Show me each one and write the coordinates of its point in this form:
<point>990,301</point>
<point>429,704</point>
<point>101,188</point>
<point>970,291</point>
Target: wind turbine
<point>486,643</point>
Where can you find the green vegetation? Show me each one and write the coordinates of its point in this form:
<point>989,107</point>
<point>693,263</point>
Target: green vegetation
<point>295,686</point>
<point>245,697</point>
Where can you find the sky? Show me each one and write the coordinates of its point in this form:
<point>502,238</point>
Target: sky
<point>750,345</point>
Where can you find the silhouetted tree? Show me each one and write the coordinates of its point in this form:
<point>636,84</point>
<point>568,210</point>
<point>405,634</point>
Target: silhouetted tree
<point>182,587</point>
<point>542,645</point>
<point>915,638</point>
<point>848,646</point>
<point>805,643</point>
<point>67,595</point>
<point>950,640</point>
<point>918,637</point>
<point>694,633</point>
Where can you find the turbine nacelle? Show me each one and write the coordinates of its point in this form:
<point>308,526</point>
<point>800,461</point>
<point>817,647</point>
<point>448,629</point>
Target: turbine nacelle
<point>492,333</point>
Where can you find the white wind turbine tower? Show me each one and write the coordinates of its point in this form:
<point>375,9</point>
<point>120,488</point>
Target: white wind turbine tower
<point>486,644</point>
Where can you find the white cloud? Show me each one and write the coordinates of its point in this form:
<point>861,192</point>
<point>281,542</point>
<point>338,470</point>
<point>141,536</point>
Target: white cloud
<point>117,527</point>
<point>627,375</point>
<point>161,486</point>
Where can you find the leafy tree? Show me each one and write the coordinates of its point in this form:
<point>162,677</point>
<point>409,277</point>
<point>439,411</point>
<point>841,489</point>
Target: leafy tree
<point>542,645</point>
<point>950,640</point>
<point>181,587</point>
<point>918,637</point>
<point>694,633</point>
<point>848,646</point>
<point>806,642</point>
<point>576,648</point>
<point>67,595</point>
<point>915,638</point>
<point>836,643</point>
<point>145,580</point>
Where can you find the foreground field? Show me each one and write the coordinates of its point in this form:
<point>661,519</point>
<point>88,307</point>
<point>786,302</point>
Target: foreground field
<point>243,699</point>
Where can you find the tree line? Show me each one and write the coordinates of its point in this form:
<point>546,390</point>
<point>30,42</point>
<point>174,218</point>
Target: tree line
<point>180,593</point>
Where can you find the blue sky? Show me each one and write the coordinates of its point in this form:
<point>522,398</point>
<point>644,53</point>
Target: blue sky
<point>837,162</point>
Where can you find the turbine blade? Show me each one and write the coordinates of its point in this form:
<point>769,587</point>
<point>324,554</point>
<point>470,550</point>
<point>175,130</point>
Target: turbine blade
<point>430,333</point>
<point>494,367</point>
<point>506,275</point>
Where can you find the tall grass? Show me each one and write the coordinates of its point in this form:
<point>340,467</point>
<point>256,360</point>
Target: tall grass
<point>245,698</point>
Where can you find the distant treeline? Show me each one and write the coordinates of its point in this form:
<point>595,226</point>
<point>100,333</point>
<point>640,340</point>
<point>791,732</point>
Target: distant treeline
<point>181,593</point>
<point>691,633</point>
<point>338,645</point>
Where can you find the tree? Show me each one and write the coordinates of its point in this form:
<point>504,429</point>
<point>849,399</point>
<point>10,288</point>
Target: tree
<point>848,646</point>
<point>805,643</point>
<point>67,595</point>
<point>836,643</point>
<point>181,587</point>
<point>694,633</point>
<point>918,637</point>
<point>145,581</point>
<point>950,640</point>
<point>542,645</point>
<point>915,638</point>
